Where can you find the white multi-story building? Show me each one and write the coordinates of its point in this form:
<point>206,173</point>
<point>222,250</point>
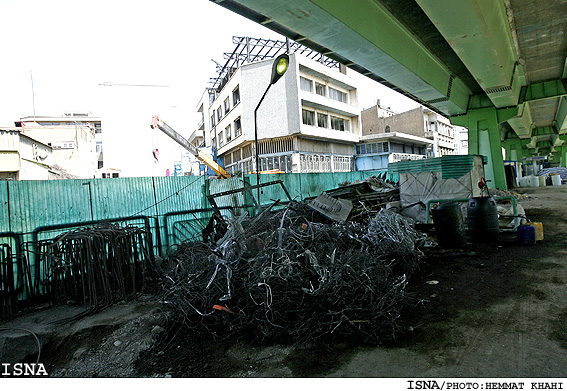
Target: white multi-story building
<point>441,131</point>
<point>461,140</point>
<point>308,121</point>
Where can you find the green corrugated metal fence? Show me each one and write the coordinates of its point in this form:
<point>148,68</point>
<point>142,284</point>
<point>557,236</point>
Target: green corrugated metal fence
<point>451,166</point>
<point>27,205</point>
<point>177,208</point>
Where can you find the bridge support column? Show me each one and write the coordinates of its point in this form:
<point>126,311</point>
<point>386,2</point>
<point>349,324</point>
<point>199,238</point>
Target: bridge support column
<point>562,156</point>
<point>516,149</point>
<point>484,139</point>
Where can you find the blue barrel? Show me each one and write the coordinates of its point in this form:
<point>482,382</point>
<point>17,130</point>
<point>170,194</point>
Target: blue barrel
<point>449,225</point>
<point>483,219</point>
<point>527,234</point>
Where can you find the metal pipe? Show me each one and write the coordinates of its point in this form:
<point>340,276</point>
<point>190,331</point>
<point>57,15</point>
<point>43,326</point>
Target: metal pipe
<point>256,141</point>
<point>11,289</point>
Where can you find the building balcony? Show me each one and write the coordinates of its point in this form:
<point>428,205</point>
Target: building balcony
<point>329,134</point>
<point>447,144</point>
<point>197,135</point>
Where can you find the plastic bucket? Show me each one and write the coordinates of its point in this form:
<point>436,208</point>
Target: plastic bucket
<point>449,225</point>
<point>527,234</point>
<point>483,219</point>
<point>556,179</point>
<point>534,182</point>
<point>525,181</point>
<point>542,180</point>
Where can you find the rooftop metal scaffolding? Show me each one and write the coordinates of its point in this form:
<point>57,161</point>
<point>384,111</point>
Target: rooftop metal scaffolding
<point>249,50</point>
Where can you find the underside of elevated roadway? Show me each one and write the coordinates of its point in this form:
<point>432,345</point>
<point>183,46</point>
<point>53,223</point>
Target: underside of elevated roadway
<point>497,67</point>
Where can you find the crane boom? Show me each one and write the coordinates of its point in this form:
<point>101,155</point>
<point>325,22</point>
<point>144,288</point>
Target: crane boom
<point>158,123</point>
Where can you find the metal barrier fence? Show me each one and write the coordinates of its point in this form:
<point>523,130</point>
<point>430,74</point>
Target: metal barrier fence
<point>170,209</point>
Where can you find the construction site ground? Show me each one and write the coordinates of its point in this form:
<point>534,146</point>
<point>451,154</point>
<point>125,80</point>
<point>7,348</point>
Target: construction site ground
<point>488,310</point>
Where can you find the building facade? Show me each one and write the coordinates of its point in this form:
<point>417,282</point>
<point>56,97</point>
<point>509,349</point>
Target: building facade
<point>376,151</point>
<point>420,122</point>
<point>23,158</point>
<point>76,141</point>
<point>309,120</point>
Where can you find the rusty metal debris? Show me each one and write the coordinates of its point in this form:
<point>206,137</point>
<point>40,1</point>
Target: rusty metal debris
<point>292,275</point>
<point>95,266</point>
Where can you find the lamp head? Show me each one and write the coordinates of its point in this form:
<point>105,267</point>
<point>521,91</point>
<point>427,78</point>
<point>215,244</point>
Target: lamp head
<point>281,64</point>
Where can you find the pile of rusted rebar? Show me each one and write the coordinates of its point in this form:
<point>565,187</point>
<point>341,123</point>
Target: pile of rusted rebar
<point>292,276</point>
<point>96,266</point>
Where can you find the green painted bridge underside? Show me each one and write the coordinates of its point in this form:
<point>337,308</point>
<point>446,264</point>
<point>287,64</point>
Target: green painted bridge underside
<point>363,35</point>
<point>469,69</point>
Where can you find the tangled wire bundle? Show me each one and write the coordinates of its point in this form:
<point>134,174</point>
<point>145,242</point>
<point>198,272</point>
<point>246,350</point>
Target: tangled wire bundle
<point>286,276</point>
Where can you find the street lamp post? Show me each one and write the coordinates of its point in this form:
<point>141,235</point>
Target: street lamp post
<point>281,64</point>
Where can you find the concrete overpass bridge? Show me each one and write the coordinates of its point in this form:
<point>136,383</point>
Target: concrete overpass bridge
<point>497,67</point>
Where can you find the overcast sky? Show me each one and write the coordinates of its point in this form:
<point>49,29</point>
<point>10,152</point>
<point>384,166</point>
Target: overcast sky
<point>69,48</point>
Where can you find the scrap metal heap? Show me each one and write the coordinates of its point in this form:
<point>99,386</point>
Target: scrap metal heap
<point>96,266</point>
<point>292,275</point>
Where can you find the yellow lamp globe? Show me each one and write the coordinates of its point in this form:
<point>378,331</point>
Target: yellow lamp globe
<point>281,64</point>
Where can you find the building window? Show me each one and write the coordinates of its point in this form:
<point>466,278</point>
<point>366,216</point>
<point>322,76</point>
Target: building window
<point>98,128</point>
<point>308,117</point>
<point>214,142</point>
<point>237,127</point>
<point>235,96</point>
<point>387,129</point>
<point>115,175</point>
<point>213,123</point>
<point>98,146</point>
<point>322,120</point>
<point>339,124</point>
<point>221,139</point>
<point>219,113</point>
<point>100,165</point>
<point>226,106</point>
<point>337,95</point>
<point>227,133</point>
<point>362,149</point>
<point>397,147</point>
<point>305,84</point>
<point>320,89</point>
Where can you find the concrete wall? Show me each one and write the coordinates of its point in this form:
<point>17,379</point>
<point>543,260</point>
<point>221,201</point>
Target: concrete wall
<point>276,115</point>
<point>23,158</point>
<point>410,122</point>
<point>81,159</point>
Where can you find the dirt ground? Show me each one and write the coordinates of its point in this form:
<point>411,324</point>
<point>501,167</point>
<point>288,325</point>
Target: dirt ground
<point>496,310</point>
